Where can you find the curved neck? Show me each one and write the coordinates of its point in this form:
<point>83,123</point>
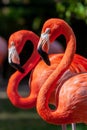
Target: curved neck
<point>50,84</point>
<point>16,99</point>
<point>12,89</point>
<point>61,27</point>
<point>20,39</point>
<point>32,61</point>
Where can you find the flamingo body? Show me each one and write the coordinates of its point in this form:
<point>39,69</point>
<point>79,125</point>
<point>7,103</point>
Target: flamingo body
<point>41,72</point>
<point>71,94</point>
<point>71,106</point>
<point>74,103</point>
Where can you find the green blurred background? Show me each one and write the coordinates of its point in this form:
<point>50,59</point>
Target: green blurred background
<point>30,15</point>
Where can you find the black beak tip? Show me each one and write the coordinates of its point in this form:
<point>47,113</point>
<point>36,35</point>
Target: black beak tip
<point>44,56</point>
<point>46,60</point>
<point>17,67</point>
<point>49,63</point>
<point>21,70</point>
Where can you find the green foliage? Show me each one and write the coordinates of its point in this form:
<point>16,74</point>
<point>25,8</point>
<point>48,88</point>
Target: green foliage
<point>72,9</point>
<point>31,14</point>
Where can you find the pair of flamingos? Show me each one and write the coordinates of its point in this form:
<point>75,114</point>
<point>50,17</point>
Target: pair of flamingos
<point>63,82</point>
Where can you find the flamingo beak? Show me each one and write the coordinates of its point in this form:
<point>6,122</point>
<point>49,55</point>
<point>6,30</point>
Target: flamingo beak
<point>43,46</point>
<point>13,58</point>
<point>17,67</point>
<point>43,55</point>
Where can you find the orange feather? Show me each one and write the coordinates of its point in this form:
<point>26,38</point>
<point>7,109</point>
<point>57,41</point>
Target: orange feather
<point>69,105</point>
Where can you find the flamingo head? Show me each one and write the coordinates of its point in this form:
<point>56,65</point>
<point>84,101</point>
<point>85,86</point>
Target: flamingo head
<point>13,57</point>
<point>43,46</point>
<point>50,31</point>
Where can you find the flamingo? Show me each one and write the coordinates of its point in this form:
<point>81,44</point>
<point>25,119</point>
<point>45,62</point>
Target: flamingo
<point>68,105</point>
<point>16,43</point>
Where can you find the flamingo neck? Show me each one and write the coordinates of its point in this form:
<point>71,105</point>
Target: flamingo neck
<point>66,30</point>
<point>32,61</point>
<point>16,99</point>
<point>44,94</point>
<point>12,89</point>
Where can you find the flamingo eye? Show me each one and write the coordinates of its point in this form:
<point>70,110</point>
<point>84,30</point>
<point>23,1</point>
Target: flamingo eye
<point>47,30</point>
<point>12,43</point>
